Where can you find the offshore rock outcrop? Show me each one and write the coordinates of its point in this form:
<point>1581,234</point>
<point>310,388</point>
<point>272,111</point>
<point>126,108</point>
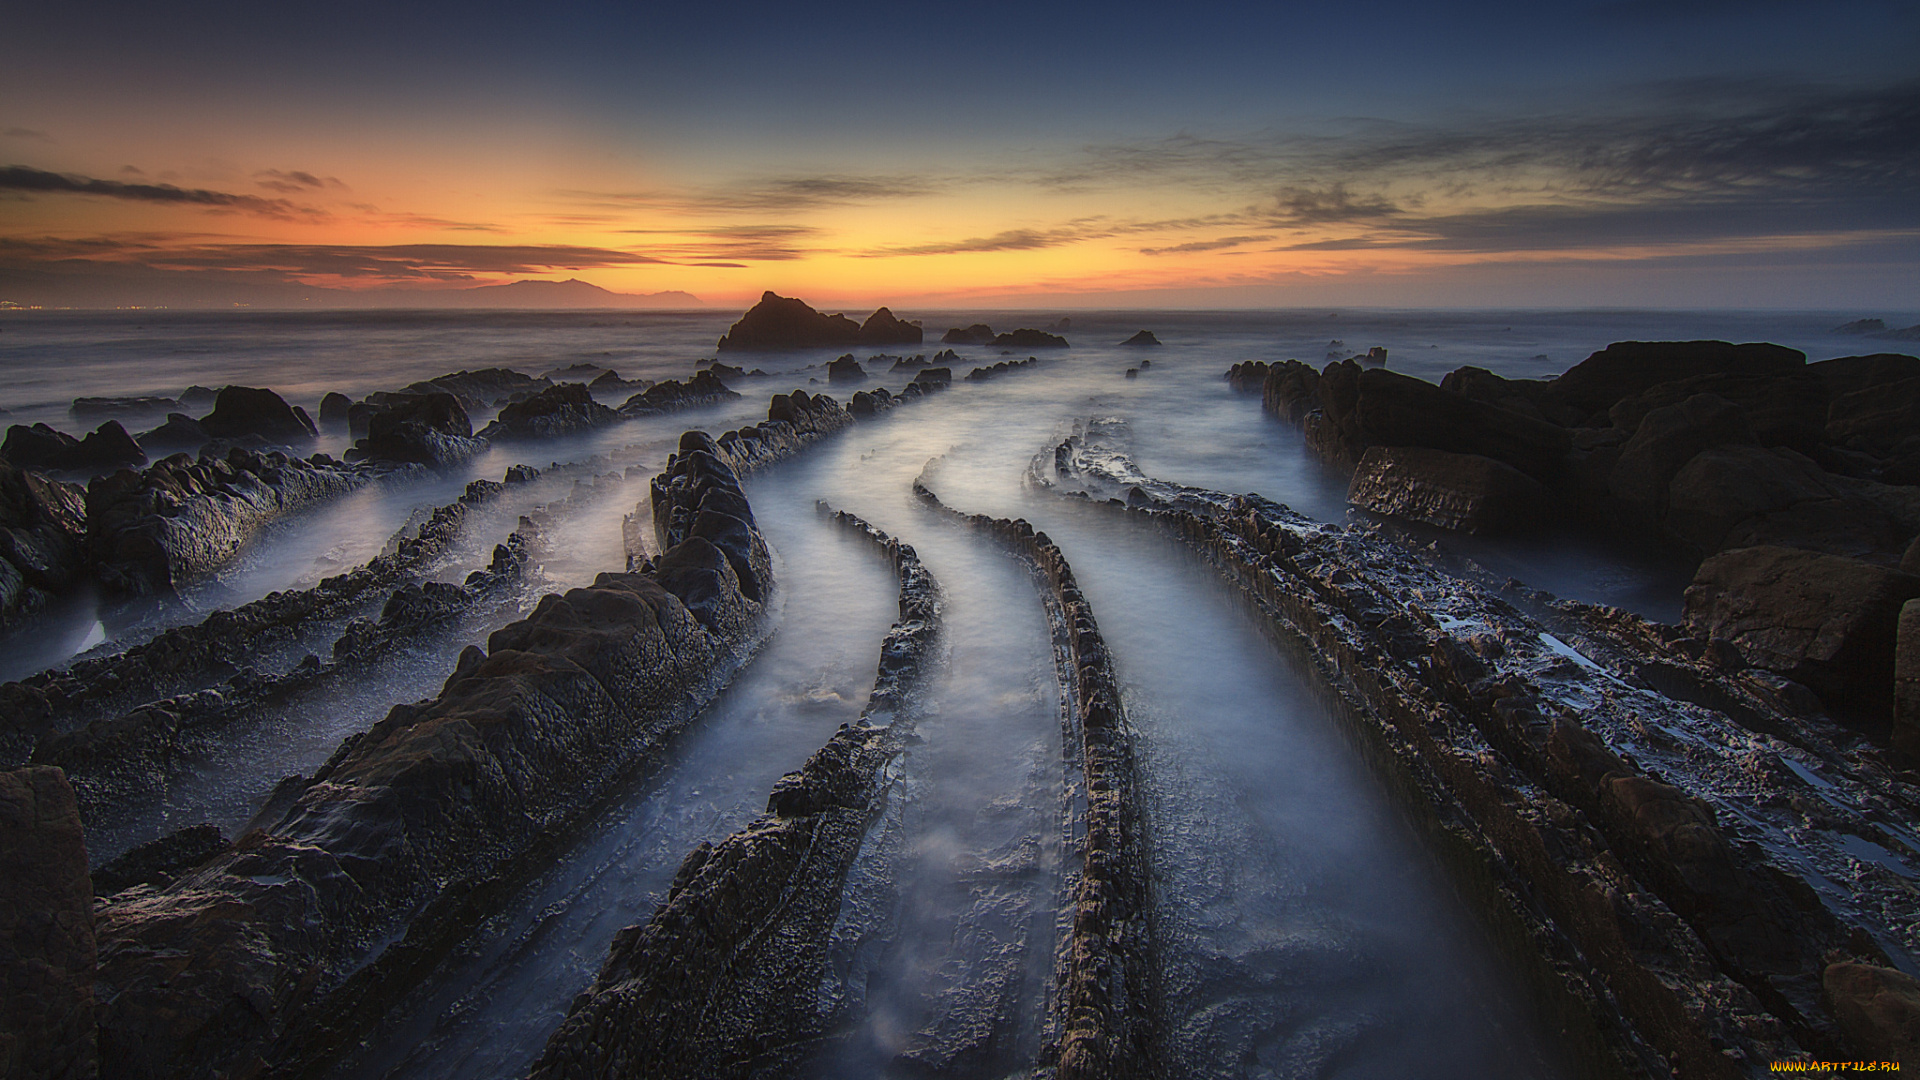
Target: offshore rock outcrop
<point>43,542</point>
<point>271,955</point>
<point>563,409</point>
<point>43,447</point>
<point>422,429</point>
<point>781,322</point>
<point>221,646</point>
<point>1106,1007</point>
<point>1026,338</point>
<point>981,374</point>
<point>181,519</point>
<point>242,412</point>
<point>670,395</point>
<point>46,931</point>
<point>977,334</point>
<point>482,389</point>
<point>1653,829</point>
<point>735,975</point>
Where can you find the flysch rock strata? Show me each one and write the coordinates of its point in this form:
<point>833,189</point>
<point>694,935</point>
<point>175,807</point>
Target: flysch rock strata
<point>735,975</point>
<point>281,950</point>
<point>1106,1007</point>
<point>221,646</point>
<point>182,519</point>
<point>1678,859</point>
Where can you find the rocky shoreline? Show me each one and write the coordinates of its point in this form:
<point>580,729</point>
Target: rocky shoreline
<point>1655,842</point>
<point>737,973</point>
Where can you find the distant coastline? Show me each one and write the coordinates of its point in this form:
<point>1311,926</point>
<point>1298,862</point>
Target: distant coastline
<point>94,293</point>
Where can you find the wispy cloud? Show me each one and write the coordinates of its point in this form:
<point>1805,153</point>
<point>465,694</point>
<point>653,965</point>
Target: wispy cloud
<point>295,182</point>
<point>39,182</point>
<point>783,194</point>
<point>1205,245</point>
<point>397,264</point>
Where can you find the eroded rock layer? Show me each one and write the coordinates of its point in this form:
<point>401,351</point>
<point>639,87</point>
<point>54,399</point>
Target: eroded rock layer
<point>1658,837</point>
<point>734,976</point>
<point>275,952</point>
<point>1105,1007</point>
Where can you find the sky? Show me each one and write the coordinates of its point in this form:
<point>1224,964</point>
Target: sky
<point>1666,153</point>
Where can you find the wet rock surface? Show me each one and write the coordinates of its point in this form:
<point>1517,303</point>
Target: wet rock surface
<point>1106,1006</point>
<point>422,429</point>
<point>482,389</point>
<point>669,395</point>
<point>1465,492</point>
<point>1659,838</point>
<point>557,410</point>
<point>46,930</point>
<point>271,954</point>
<point>181,518</point>
<point>43,541</point>
<point>735,974</point>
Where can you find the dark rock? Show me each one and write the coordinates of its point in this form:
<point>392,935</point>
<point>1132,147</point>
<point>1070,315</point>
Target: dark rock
<point>1880,419</point>
<point>180,433</point>
<point>198,397</point>
<point>179,520</point>
<point>1464,492</point>
<point>480,390</point>
<point>159,862</point>
<point>1667,439</point>
<point>1860,326</point>
<point>333,409</point>
<point>1248,377</point>
<point>1029,339</point>
<point>669,395</point>
<point>779,322</point>
<point>239,411</point>
<point>1906,683</point>
<point>1743,496</point>
<point>1626,368</point>
<point>1850,374</point>
<point>881,328</point>
<point>122,408</point>
<point>1132,373</point>
<point>1377,407</point>
<point>914,363</point>
<point>977,334</point>
<point>426,429</point>
<point>42,447</point>
<point>1290,390</point>
<point>580,373</point>
<point>1878,1007</point>
<point>563,409</point>
<point>1144,337</point>
<point>1783,410</point>
<point>730,372</point>
<point>933,378</point>
<point>1827,622</point>
<point>981,374</point>
<point>845,369</point>
<point>43,530</point>
<point>46,930</point>
<point>610,382</point>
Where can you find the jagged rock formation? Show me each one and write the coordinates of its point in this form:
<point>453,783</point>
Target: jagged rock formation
<point>43,447</point>
<point>668,395</point>
<point>564,409</point>
<point>1106,1008</point>
<point>270,955</point>
<point>152,531</point>
<point>159,862</point>
<point>222,645</point>
<point>46,931</point>
<point>909,363</point>
<point>1248,377</point>
<point>734,975</point>
<point>932,378</point>
<point>43,540</point>
<point>422,429</point>
<point>779,322</point>
<point>1633,807</point>
<point>845,369</point>
<point>977,334</point>
<point>241,412</point>
<point>981,374</point>
<point>1028,339</point>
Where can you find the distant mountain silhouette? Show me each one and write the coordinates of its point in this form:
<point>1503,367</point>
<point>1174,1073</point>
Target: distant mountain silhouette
<point>571,293</point>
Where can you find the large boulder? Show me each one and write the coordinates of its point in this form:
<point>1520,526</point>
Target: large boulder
<point>1847,374</point>
<point>1290,390</point>
<point>1521,396</point>
<point>43,447</point>
<point>1878,1009</point>
<point>240,411</point>
<point>1625,368</point>
<point>977,334</point>
<point>1743,496</point>
<point>1783,410</point>
<point>46,931</point>
<point>43,540</point>
<point>881,328</point>
<point>333,409</point>
<point>1825,621</point>
<point>780,322</point>
<point>562,409</point>
<point>1880,420</point>
<point>1377,407</point>
<point>1666,439</point>
<point>1248,377</point>
<point>425,429</point>
<point>1466,492</point>
<point>845,369</point>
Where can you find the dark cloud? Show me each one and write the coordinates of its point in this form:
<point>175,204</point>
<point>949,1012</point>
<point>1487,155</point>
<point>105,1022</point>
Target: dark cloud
<point>26,133</point>
<point>754,243</point>
<point>37,181</point>
<point>295,182</point>
<point>1011,240</point>
<point>776,195</point>
<point>1205,245</point>
<point>399,263</point>
<point>1308,206</point>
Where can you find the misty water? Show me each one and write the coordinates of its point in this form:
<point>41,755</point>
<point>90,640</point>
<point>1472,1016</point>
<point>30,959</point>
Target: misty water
<point>1304,930</point>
